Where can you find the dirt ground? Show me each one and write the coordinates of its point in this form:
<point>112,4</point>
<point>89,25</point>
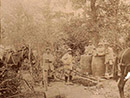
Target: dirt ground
<point>105,89</point>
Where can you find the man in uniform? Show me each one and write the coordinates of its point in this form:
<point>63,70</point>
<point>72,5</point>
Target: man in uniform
<point>109,59</point>
<point>89,50</point>
<point>67,60</point>
<point>48,60</point>
<point>100,51</point>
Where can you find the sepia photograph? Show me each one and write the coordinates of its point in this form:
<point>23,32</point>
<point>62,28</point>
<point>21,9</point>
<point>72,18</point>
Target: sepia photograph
<point>65,49</point>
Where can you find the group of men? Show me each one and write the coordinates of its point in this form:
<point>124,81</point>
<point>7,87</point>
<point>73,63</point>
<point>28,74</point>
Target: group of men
<point>68,60</point>
<point>48,61</point>
<point>103,49</point>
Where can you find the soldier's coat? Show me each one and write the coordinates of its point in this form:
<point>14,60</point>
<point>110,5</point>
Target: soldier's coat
<point>47,66</point>
<point>67,60</point>
<point>90,49</point>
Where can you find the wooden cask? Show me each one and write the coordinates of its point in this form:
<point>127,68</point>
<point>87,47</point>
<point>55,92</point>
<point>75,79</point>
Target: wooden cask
<point>98,66</point>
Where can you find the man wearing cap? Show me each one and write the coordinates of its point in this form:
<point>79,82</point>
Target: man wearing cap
<point>67,60</point>
<point>48,60</point>
<point>89,50</point>
<point>109,58</point>
<point>100,51</point>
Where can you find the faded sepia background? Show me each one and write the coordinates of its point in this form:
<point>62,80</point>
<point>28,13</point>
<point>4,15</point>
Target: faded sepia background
<point>61,23</point>
<point>51,21</point>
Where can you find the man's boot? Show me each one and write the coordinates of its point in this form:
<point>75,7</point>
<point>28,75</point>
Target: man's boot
<point>70,80</point>
<point>66,79</point>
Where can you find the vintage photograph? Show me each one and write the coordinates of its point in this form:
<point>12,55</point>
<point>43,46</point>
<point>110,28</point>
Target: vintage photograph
<point>65,49</point>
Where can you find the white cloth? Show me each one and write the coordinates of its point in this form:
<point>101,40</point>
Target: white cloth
<point>128,76</point>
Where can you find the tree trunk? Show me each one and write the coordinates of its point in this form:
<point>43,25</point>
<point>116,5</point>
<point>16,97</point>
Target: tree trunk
<point>93,10</point>
<point>94,20</point>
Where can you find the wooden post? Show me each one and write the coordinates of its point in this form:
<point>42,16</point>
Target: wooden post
<point>46,80</point>
<point>29,58</point>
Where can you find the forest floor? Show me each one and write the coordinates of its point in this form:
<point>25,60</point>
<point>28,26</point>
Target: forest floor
<point>105,89</point>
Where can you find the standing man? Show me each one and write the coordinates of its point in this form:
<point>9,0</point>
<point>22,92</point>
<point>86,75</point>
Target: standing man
<point>89,50</point>
<point>109,59</point>
<point>100,51</point>
<point>48,60</point>
<point>67,60</point>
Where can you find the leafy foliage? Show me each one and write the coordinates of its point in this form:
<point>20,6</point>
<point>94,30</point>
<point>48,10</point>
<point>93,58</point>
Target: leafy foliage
<point>53,26</point>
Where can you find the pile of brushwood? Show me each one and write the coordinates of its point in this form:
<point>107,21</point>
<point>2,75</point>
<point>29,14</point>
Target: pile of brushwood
<point>10,78</point>
<point>9,82</point>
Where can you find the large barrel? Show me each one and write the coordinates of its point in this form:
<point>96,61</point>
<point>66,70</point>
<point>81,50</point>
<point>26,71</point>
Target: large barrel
<point>98,66</point>
<point>85,64</point>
